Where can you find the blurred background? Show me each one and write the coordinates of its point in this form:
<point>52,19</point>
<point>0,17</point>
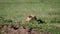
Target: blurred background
<point>48,10</point>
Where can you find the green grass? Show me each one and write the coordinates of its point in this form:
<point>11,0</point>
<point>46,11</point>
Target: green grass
<point>17,10</point>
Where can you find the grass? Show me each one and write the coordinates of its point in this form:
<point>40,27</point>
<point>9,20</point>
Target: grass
<point>17,10</point>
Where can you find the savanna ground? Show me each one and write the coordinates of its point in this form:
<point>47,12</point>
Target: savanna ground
<point>17,10</point>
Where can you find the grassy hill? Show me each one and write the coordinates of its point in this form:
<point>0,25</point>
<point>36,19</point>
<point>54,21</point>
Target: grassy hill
<point>17,10</point>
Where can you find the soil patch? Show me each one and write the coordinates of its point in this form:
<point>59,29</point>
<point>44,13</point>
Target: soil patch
<point>17,29</point>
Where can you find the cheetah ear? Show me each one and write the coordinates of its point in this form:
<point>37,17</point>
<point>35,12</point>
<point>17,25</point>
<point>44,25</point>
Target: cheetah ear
<point>32,15</point>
